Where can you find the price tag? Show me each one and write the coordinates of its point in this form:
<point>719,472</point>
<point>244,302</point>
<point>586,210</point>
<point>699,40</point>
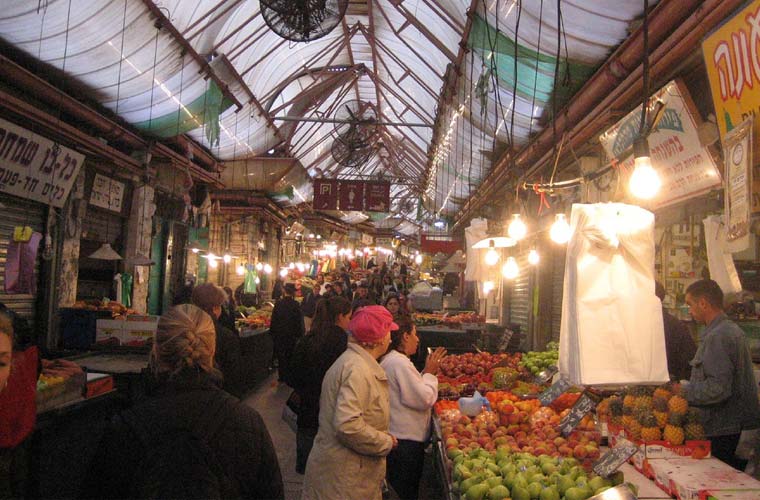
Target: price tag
<point>614,458</point>
<point>569,422</point>
<point>553,392</point>
<point>546,375</point>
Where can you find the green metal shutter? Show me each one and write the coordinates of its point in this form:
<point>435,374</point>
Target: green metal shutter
<point>558,280</point>
<point>520,300</point>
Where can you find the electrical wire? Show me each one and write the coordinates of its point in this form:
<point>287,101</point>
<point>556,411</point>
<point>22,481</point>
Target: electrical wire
<point>645,63</point>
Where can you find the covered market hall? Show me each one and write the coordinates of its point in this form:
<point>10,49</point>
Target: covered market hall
<point>380,249</point>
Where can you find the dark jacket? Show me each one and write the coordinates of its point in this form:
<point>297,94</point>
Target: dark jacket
<point>286,328</point>
<point>679,346</point>
<point>229,359</point>
<point>239,440</point>
<point>309,304</point>
<point>227,318</point>
<point>722,383</point>
<point>313,356</point>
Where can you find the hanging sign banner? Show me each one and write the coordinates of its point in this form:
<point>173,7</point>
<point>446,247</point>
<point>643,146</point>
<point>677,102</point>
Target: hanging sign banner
<point>34,167</point>
<point>738,157</point>
<point>685,167</point>
<point>733,67</point>
<point>351,195</point>
<point>107,193</point>
<point>377,197</point>
<point>325,194</point>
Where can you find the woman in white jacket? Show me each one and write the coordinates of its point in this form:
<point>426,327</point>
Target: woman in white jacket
<point>412,395</point>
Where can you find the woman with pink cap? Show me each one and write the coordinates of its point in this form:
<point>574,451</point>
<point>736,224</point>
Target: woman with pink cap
<point>348,458</point>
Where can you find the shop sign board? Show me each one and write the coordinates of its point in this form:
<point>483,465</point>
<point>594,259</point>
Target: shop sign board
<point>367,239</point>
<point>325,194</point>
<point>34,167</point>
<point>351,195</point>
<point>107,193</point>
<point>377,197</point>
<point>383,242</point>
<point>686,168</point>
<point>733,67</point>
<point>738,157</point>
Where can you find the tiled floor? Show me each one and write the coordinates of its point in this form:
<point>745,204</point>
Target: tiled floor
<point>268,399</point>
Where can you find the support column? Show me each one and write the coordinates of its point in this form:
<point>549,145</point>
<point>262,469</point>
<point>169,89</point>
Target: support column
<point>139,232</point>
<point>73,215</point>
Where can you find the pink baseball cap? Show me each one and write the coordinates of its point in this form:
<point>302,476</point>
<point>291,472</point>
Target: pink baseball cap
<point>371,323</point>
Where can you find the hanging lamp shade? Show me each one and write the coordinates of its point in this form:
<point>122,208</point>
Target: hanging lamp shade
<point>105,252</point>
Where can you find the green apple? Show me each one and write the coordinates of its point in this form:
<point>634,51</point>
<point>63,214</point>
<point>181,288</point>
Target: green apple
<point>498,493</point>
<point>520,493</point>
<point>548,468</point>
<point>535,490</point>
<point>493,481</point>
<point>549,493</point>
<point>467,483</point>
<point>565,483</point>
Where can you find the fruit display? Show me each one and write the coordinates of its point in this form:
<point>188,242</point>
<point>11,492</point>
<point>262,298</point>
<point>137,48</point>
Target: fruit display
<point>480,474</point>
<point>463,374</point>
<point>653,414</point>
<point>518,425</point>
<point>537,361</point>
<point>117,310</point>
<point>444,319</point>
<point>256,318</point>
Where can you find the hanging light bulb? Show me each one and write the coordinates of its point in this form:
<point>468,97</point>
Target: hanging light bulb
<point>256,280</point>
<point>517,228</point>
<point>195,250</point>
<point>227,258</point>
<point>213,263</point>
<point>533,257</point>
<point>259,266</point>
<point>283,272</point>
<point>268,269</point>
<point>487,287</point>
<point>300,267</point>
<point>560,231</point>
<point>418,259</point>
<point>210,257</point>
<point>291,266</point>
<point>240,270</point>
<point>645,182</point>
<point>492,256</point>
<point>510,270</point>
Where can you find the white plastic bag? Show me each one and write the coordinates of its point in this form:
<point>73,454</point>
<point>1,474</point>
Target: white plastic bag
<point>719,259</point>
<point>611,330</point>
<point>475,269</point>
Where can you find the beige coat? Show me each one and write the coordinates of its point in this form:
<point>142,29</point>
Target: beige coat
<point>348,458</point>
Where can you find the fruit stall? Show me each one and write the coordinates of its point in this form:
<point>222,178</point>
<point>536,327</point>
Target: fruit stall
<point>501,431</point>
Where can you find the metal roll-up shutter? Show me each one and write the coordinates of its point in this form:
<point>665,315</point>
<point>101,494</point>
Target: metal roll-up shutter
<point>558,280</point>
<point>19,212</point>
<point>520,296</point>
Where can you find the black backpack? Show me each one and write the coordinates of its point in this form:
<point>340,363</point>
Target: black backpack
<point>178,463</point>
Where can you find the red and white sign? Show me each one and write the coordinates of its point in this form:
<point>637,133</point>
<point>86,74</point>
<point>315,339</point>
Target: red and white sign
<point>325,194</point>
<point>351,195</point>
<point>377,197</point>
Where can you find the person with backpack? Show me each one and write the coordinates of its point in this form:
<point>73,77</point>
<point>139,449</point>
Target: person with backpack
<point>312,357</point>
<point>189,438</point>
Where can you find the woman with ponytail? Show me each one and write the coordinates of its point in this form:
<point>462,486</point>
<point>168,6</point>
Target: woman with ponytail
<point>189,438</point>
<point>313,356</point>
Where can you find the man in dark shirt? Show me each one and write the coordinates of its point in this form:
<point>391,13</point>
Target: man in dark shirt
<point>286,328</point>
<point>679,345</point>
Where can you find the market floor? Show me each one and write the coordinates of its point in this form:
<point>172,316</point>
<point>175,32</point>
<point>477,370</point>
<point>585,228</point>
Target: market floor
<point>268,399</point>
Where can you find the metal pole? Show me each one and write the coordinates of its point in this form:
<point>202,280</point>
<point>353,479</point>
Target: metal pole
<point>336,120</point>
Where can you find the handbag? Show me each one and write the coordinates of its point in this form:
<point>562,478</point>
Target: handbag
<point>291,409</point>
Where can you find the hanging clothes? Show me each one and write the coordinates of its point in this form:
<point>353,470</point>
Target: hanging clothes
<point>719,258</point>
<point>249,282</point>
<point>126,289</point>
<point>119,289</point>
<point>612,329</point>
<point>20,277</point>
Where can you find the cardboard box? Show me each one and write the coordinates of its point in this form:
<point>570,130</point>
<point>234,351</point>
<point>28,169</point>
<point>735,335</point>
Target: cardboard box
<point>97,384</point>
<point>134,331</point>
<point>688,478</point>
<point>730,495</point>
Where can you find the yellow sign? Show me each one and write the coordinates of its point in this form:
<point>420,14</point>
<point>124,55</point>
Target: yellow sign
<point>732,58</point>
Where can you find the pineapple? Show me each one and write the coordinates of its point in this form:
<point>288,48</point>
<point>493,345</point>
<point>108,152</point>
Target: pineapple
<point>660,406</point>
<point>642,398</point>
<point>634,429</point>
<point>694,430</point>
<point>676,419</point>
<point>661,417</point>
<point>674,434</point>
<point>693,416</point>
<point>629,400</point>
<point>616,410</point>
<point>650,430</point>
<point>677,404</point>
<point>662,392</point>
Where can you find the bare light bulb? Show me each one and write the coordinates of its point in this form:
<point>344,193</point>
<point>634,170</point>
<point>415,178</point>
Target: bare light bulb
<point>300,267</point>
<point>291,266</point>
<point>259,266</point>
<point>227,258</point>
<point>268,269</point>
<point>533,257</point>
<point>283,272</point>
<point>560,231</point>
<point>257,280</point>
<point>517,228</point>
<point>492,257</point>
<point>213,263</point>
<point>240,270</point>
<point>644,182</point>
<point>487,287</point>
<point>195,250</point>
<point>510,270</point>
<point>418,259</point>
